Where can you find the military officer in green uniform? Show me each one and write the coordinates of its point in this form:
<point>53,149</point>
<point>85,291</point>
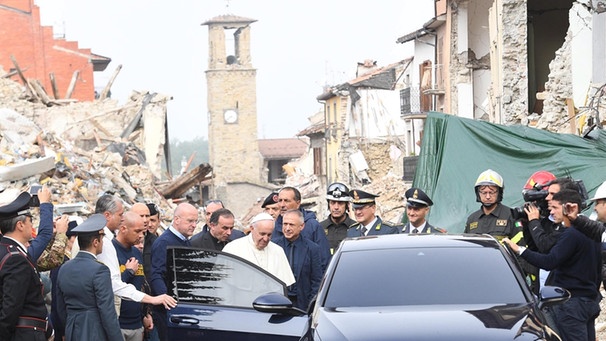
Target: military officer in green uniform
<point>368,223</point>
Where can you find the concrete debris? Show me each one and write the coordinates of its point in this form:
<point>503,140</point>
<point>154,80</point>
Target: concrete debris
<point>82,150</point>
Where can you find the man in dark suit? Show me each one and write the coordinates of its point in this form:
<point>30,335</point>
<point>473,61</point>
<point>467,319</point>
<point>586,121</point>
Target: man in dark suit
<point>210,207</point>
<point>23,315</point>
<point>178,234</point>
<point>84,289</point>
<point>417,207</point>
<point>368,223</point>
<point>304,259</point>
<point>221,224</point>
<point>289,198</point>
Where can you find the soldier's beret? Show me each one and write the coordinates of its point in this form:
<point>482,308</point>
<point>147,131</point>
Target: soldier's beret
<point>271,199</point>
<point>13,205</point>
<point>361,198</point>
<point>415,197</point>
<point>94,223</point>
<point>153,209</point>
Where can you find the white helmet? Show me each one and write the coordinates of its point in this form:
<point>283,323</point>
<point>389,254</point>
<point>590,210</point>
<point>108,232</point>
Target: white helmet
<point>489,178</point>
<point>600,193</point>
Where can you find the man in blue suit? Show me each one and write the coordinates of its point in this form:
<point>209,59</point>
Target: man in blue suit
<point>304,259</point>
<point>289,198</point>
<point>84,289</point>
<point>177,234</point>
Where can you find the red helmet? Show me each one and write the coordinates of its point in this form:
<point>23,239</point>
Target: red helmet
<point>541,178</point>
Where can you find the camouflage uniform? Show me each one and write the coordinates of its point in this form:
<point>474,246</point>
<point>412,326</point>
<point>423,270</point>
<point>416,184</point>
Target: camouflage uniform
<point>54,253</point>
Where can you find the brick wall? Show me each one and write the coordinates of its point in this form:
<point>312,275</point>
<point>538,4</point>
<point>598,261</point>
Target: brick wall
<point>39,54</point>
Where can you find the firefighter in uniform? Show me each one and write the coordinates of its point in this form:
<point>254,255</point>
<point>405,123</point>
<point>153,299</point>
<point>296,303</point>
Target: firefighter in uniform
<point>338,222</point>
<point>23,314</point>
<point>417,207</point>
<point>368,224</point>
<point>493,217</point>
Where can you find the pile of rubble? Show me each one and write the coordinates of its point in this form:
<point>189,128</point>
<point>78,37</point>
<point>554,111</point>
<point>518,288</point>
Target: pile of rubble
<point>84,149</point>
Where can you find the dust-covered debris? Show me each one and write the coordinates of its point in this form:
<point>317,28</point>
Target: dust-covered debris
<point>93,147</point>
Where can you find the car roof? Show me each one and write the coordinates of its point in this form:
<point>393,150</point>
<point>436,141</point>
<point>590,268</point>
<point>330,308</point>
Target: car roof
<point>399,241</point>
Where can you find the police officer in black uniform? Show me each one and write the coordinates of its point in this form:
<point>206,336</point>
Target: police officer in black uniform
<point>417,207</point>
<point>23,315</point>
<point>338,222</point>
<point>368,224</point>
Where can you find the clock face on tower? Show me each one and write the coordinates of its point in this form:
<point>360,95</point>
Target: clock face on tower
<point>230,116</point>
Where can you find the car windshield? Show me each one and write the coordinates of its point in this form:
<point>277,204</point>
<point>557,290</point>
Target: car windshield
<point>423,276</point>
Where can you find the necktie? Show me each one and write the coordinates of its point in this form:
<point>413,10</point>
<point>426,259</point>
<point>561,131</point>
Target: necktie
<point>291,255</point>
<point>415,231</point>
<point>364,230</point>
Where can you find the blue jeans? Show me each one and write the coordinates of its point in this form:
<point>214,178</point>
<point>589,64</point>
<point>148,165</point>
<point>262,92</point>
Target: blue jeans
<point>576,318</point>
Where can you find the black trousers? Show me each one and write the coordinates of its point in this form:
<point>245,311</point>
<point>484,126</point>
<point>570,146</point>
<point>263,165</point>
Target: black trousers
<point>159,315</point>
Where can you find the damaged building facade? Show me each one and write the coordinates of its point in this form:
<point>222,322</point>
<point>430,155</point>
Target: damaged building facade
<point>536,63</point>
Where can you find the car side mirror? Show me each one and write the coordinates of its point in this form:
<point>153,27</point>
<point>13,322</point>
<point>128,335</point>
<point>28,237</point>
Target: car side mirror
<point>549,296</point>
<point>275,303</point>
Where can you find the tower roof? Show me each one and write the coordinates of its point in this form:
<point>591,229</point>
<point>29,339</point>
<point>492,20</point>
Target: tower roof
<point>229,19</point>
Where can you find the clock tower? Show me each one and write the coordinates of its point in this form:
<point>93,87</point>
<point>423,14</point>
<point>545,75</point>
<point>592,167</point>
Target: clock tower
<point>232,108</point>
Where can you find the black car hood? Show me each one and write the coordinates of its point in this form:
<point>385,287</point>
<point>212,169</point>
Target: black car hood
<point>470,322</point>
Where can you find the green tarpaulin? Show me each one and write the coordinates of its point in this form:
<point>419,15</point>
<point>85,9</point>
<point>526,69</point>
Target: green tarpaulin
<point>455,151</point>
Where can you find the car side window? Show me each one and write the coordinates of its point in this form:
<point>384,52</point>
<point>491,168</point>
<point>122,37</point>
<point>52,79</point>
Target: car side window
<point>216,278</point>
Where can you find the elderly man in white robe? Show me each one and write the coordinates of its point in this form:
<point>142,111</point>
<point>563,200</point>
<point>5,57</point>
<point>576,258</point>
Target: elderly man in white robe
<point>258,248</point>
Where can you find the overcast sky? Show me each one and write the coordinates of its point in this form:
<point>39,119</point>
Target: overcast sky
<point>297,47</point>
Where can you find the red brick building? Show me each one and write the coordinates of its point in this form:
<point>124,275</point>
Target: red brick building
<point>39,54</point>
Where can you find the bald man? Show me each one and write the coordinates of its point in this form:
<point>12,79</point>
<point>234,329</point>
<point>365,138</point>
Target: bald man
<point>177,234</point>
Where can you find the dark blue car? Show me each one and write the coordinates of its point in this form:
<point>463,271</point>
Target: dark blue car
<point>393,287</point>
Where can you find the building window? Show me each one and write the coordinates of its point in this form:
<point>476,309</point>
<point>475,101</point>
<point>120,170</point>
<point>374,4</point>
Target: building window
<point>405,101</point>
<point>318,161</point>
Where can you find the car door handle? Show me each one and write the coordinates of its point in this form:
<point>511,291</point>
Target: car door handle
<point>184,320</point>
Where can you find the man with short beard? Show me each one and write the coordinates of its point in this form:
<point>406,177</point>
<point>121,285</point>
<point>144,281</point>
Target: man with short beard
<point>338,222</point>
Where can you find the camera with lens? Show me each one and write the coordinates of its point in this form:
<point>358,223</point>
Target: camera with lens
<point>534,196</point>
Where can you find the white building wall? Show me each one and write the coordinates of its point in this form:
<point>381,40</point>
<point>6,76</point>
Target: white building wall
<point>479,44</point>
<point>376,114</point>
<point>580,26</point>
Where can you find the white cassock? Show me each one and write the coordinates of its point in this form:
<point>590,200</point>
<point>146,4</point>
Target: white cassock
<point>272,258</point>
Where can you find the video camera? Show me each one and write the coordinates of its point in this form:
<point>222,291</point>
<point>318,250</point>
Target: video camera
<point>536,196</point>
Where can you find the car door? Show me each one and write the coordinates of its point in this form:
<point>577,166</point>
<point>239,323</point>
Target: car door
<point>215,292</point>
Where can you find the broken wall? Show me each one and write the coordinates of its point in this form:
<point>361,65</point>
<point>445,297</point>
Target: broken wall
<point>569,74</point>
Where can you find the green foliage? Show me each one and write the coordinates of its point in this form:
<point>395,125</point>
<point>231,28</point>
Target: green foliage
<point>183,150</point>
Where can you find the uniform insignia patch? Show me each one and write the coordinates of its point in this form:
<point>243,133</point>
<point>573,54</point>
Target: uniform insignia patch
<point>501,222</point>
<point>473,225</point>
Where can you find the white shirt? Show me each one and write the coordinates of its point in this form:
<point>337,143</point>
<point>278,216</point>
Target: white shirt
<point>369,226</point>
<point>271,258</point>
<point>110,259</point>
<point>419,229</point>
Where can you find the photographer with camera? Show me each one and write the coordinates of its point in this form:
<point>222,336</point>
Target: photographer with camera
<point>540,230</point>
<point>574,261</point>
